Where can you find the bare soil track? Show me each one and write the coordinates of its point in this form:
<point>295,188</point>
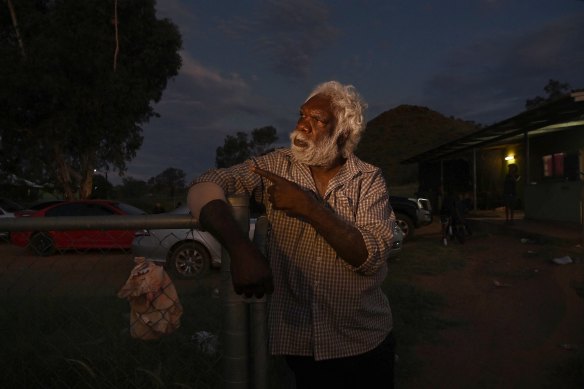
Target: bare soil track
<point>522,318</point>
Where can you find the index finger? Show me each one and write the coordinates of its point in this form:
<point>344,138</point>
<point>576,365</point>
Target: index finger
<point>267,174</point>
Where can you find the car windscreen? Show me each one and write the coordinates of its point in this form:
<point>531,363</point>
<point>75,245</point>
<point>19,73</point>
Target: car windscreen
<point>130,209</point>
<point>10,206</point>
<point>45,204</point>
<point>80,209</point>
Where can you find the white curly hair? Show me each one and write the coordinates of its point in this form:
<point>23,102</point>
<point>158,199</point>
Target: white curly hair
<point>349,107</point>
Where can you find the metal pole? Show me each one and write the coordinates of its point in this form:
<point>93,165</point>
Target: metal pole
<point>526,159</point>
<point>235,312</point>
<point>259,326</point>
<point>474,178</point>
<point>442,188</point>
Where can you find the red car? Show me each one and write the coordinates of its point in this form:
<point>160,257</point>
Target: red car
<point>45,242</point>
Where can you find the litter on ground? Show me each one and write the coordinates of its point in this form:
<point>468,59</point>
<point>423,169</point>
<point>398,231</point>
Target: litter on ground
<point>562,260</point>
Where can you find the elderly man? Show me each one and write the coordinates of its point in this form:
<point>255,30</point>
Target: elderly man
<point>331,227</point>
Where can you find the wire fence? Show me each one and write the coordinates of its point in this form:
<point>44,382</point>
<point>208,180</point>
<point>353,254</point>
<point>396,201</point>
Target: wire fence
<point>76,307</point>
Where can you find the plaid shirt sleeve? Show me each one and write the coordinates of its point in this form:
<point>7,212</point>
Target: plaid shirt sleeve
<point>375,219</point>
<point>237,179</point>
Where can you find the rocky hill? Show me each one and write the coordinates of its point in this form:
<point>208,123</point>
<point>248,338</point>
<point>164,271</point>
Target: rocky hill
<point>405,131</point>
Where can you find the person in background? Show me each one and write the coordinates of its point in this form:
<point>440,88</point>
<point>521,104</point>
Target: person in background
<point>452,217</point>
<point>158,208</point>
<point>510,192</point>
<point>331,228</point>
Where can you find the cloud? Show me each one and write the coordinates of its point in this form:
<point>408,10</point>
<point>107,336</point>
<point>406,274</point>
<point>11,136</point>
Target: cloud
<point>491,80</point>
<point>197,110</point>
<point>210,93</point>
<point>290,33</point>
<point>180,14</point>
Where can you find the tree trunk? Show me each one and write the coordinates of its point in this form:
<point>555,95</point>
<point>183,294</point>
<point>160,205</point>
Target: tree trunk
<point>86,188</point>
<point>63,173</point>
<point>86,177</point>
<point>15,25</point>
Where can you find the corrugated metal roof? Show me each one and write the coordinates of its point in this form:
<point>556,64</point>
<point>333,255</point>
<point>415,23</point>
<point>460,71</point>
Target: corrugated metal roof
<point>556,115</point>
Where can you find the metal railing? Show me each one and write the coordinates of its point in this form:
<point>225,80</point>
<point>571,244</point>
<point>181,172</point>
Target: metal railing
<point>65,327</point>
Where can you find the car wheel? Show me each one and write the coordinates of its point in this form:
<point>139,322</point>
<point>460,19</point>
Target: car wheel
<point>190,260</point>
<point>406,224</point>
<point>42,244</point>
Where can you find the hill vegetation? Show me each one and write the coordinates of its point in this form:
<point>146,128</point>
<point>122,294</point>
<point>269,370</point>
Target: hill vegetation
<point>402,132</point>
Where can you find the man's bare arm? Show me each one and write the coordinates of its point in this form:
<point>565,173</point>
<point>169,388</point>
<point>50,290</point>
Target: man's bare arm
<point>251,273</point>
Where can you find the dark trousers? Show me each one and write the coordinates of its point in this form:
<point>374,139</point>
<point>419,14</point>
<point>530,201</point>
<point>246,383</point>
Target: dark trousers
<point>371,370</point>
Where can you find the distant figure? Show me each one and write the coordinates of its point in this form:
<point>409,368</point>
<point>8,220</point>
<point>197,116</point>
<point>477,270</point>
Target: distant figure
<point>510,192</point>
<point>158,208</point>
<point>452,217</point>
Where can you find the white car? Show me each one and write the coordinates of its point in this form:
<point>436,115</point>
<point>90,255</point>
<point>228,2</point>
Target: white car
<point>190,253</point>
<point>7,210</point>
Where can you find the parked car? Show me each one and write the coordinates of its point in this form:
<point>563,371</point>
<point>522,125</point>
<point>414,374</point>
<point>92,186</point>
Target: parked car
<point>45,242</point>
<point>411,213</point>
<point>190,253</point>
<point>27,211</point>
<point>7,209</point>
<point>187,253</point>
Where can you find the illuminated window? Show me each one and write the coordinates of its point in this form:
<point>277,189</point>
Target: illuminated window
<point>559,164</point>
<point>547,165</point>
<point>553,165</point>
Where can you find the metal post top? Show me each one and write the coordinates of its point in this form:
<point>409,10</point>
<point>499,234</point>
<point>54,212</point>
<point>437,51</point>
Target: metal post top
<point>239,200</point>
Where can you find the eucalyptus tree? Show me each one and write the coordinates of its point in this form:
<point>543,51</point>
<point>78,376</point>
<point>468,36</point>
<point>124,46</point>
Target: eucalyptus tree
<point>239,147</point>
<point>79,80</point>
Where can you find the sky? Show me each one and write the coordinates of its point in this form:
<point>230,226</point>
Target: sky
<point>251,63</point>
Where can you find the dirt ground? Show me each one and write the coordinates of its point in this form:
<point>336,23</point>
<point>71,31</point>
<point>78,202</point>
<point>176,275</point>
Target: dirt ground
<point>522,318</point>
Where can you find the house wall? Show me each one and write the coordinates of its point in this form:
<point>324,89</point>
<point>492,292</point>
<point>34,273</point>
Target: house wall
<point>568,141</point>
<point>554,201</point>
<point>541,198</point>
<point>491,171</point>
<point>556,198</point>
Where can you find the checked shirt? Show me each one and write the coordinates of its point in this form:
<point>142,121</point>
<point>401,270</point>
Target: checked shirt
<point>322,306</point>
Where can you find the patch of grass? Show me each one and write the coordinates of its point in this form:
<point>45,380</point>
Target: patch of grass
<point>416,318</point>
<point>426,258</point>
<point>417,312</point>
<point>515,274</point>
<point>571,370</point>
<point>579,288</point>
<point>85,342</point>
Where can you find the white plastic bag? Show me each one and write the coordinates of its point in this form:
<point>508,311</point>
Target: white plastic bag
<point>155,309</point>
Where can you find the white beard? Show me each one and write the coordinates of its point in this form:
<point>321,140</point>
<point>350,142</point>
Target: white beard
<point>323,153</point>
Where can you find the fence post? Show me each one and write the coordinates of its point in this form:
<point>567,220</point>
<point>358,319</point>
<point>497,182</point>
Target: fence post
<point>259,325</point>
<point>235,312</point>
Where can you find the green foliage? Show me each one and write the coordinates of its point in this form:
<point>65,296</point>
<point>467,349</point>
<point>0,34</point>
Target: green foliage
<point>262,139</point>
<point>238,148</point>
<point>102,188</point>
<point>170,180</point>
<point>554,90</point>
<point>132,188</point>
<point>65,99</point>
<point>235,150</point>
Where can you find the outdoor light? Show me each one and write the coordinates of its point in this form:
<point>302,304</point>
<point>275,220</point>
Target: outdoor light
<point>510,158</point>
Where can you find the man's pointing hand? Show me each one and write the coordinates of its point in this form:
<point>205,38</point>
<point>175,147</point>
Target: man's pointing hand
<point>286,195</point>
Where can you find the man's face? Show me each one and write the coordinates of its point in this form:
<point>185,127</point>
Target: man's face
<point>314,141</point>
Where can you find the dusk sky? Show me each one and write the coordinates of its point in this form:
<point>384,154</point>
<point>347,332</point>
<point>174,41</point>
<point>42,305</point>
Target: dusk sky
<point>250,64</point>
